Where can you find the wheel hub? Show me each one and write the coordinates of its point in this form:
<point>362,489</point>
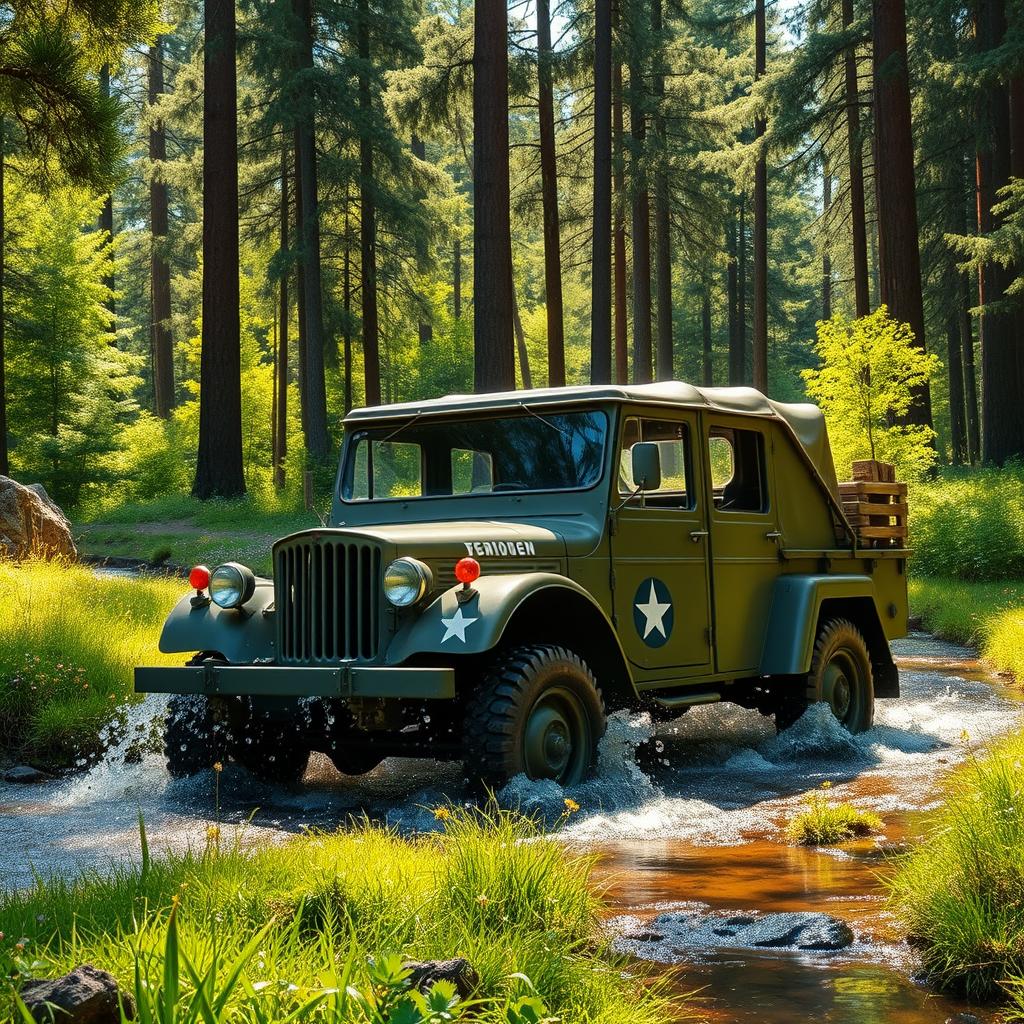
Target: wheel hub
<point>838,691</point>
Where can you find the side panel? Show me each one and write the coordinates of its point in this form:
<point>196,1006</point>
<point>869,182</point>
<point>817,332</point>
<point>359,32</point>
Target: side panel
<point>796,601</point>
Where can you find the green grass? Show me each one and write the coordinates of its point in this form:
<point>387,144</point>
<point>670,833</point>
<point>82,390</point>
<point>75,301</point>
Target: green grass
<point>307,916</point>
<point>989,616</point>
<point>960,893</point>
<point>824,822</point>
<point>69,640</point>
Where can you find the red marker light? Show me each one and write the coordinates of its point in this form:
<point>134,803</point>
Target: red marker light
<point>467,570</point>
<point>199,578</point>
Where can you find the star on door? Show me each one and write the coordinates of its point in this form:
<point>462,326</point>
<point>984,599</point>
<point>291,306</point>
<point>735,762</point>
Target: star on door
<point>456,625</point>
<point>652,612</point>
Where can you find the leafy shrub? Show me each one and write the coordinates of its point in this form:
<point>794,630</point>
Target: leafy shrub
<point>824,822</point>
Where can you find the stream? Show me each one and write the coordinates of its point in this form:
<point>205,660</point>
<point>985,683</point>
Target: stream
<point>702,832</point>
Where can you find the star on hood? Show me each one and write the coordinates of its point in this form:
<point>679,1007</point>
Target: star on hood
<point>456,625</point>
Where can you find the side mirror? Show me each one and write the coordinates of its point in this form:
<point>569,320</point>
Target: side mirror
<point>646,465</point>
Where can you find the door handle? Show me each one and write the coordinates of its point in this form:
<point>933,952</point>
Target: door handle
<point>695,535</point>
<point>774,535</point>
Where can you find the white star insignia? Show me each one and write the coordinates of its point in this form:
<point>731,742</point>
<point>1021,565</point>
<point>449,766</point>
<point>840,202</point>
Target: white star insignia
<point>654,613</point>
<point>456,625</point>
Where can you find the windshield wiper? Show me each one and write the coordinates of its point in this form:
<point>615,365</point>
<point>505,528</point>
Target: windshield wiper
<point>535,415</point>
<point>402,426</point>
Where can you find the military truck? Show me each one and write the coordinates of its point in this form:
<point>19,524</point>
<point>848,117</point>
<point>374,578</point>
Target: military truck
<point>501,571</point>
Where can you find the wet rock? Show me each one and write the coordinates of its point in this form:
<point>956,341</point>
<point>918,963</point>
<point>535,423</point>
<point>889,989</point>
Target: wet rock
<point>672,934</point>
<point>459,971</point>
<point>31,523</point>
<point>963,1018</point>
<point>85,996</point>
<point>25,773</point>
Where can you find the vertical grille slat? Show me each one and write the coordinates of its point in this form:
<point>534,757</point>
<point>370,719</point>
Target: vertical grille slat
<point>328,594</point>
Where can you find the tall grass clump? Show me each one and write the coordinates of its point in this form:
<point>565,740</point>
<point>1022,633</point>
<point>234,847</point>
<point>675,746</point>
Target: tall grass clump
<point>319,927</point>
<point>969,524</point>
<point>69,640</point>
<point>824,822</point>
<point>960,893</point>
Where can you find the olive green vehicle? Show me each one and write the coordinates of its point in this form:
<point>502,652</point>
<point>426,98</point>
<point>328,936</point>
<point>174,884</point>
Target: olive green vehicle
<point>499,572</point>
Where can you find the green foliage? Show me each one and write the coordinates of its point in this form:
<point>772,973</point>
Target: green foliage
<point>958,893</point>
<point>969,525</point>
<point>824,822</point>
<point>319,927</point>
<point>69,642</point>
<point>869,370</point>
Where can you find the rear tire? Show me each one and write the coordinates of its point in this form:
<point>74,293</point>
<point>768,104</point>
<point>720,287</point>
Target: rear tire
<point>537,712</point>
<point>194,740</point>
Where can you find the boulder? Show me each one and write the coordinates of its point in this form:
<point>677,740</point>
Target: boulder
<point>31,523</point>
<point>25,773</point>
<point>85,996</point>
<point>425,973</point>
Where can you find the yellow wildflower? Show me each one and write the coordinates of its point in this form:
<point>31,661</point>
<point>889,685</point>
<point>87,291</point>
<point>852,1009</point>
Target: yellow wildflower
<point>482,899</point>
<point>213,833</point>
<point>826,784</point>
<point>442,813</point>
<point>217,766</point>
<point>571,807</point>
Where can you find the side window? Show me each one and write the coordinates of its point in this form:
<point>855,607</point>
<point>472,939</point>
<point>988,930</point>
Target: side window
<point>738,470</point>
<point>673,441</point>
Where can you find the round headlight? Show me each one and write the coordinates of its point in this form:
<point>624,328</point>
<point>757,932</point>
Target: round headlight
<point>231,585</point>
<point>406,580</point>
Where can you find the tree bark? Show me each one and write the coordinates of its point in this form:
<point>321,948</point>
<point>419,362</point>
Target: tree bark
<point>732,295</point>
<point>300,292</point>
<point>970,374</point>
<point>760,366</point>
<point>954,366</point>
<point>826,258</point>
<point>621,311</point>
<point>106,218</point>
<point>368,220</point>
<point>521,352</point>
<point>1002,423</point>
<point>161,342</point>
<point>219,468</point>
<point>493,299</point>
<point>601,245</point>
<point>641,229</point>
<point>457,278</point>
<point>281,406</point>
<point>705,331</point>
<point>1016,100</point>
<point>318,442</point>
<point>549,196</point>
<point>5,466</point>
<point>426,330</point>
<point>899,256</point>
<point>346,298</point>
<point>662,236</point>
<point>741,299</point>
<point>855,149</point>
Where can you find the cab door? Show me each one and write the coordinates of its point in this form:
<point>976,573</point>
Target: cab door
<point>660,551</point>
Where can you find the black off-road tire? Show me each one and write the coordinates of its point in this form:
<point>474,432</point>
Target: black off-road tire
<point>538,711</point>
<point>193,739</point>
<point>272,751</point>
<point>841,676</point>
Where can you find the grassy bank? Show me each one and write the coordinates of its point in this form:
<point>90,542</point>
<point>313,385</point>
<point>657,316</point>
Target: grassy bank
<point>69,640</point>
<point>327,911</point>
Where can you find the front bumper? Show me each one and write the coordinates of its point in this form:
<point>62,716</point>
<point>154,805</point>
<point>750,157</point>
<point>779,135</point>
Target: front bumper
<point>287,681</point>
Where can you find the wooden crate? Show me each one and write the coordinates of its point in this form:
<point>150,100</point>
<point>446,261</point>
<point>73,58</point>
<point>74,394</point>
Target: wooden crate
<point>876,504</point>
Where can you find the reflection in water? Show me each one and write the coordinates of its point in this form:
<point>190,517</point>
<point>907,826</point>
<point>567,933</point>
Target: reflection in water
<point>705,826</point>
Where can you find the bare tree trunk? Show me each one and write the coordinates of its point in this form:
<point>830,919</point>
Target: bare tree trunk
<point>524,356</point>
<point>346,293</point>
<point>106,218</point>
<point>954,366</point>
<point>855,148</point>
<point>5,465</point>
<point>1016,100</point>
<point>826,258</point>
<point>732,294</point>
<point>744,377</point>
<point>419,150</point>
<point>457,278</point>
<point>219,469</point>
<point>601,253</point>
<point>705,331</point>
<point>549,195</point>
<point>161,342</point>
<point>368,220</point>
<point>760,216</point>
<point>300,292</point>
<point>662,236</point>
<point>621,312</point>
<point>899,256</point>
<point>281,406</point>
<point>493,297</point>
<point>970,374</point>
<point>641,229</point>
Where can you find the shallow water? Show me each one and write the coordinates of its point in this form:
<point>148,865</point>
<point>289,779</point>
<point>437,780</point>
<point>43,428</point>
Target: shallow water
<point>704,826</point>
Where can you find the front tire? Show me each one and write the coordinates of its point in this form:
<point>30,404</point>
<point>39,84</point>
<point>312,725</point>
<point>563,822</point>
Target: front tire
<point>537,712</point>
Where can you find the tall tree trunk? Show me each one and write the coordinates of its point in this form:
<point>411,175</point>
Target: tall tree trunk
<point>899,256</point>
<point>619,245</point>
<point>954,366</point>
<point>826,258</point>
<point>662,238</point>
<point>760,215</point>
<point>1016,100</point>
<point>549,194</point>
<point>457,278</point>
<point>346,299</point>
<point>641,226</point>
<point>732,295</point>
<point>281,420</point>
<point>106,218</point>
<point>707,374</point>
<point>318,442</point>
<point>300,291</point>
<point>521,352</point>
<point>855,149</point>
<point>419,150</point>
<point>1002,423</point>
<point>5,465</point>
<point>741,299</point>
<point>219,469</point>
<point>970,375</point>
<point>368,220</point>
<point>601,244</point>
<point>161,343</point>
<point>493,298</point>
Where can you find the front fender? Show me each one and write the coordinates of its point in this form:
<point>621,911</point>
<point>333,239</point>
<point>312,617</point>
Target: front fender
<point>241,635</point>
<point>446,627</point>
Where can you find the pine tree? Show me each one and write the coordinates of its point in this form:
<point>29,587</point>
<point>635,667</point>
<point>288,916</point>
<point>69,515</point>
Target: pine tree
<point>160,271</point>
<point>600,267</point>
<point>760,367</point>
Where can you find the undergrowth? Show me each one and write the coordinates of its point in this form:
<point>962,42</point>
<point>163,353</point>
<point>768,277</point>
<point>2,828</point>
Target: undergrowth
<point>824,822</point>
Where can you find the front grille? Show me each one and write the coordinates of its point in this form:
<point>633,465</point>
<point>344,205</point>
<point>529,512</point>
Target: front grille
<point>327,594</point>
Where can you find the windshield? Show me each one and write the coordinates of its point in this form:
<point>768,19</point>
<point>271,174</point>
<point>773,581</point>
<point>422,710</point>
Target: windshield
<point>528,451</point>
